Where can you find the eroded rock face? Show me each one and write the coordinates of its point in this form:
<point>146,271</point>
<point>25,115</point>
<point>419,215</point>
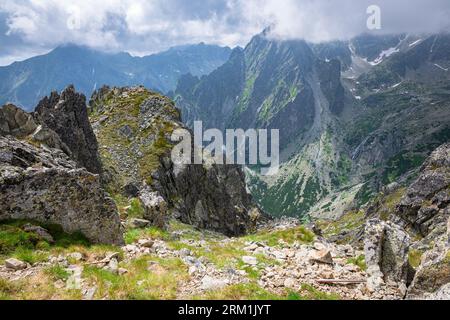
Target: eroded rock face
<point>386,250</point>
<point>67,115</point>
<point>426,203</point>
<point>210,197</point>
<point>433,275</point>
<point>44,185</point>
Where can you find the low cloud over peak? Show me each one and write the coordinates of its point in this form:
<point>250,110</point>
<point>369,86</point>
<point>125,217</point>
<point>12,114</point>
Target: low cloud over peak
<point>142,26</point>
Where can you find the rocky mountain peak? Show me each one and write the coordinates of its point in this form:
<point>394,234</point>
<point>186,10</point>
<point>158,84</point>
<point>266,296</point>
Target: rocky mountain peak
<point>66,114</point>
<point>134,128</point>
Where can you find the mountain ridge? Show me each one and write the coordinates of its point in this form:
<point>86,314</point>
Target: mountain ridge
<point>26,82</point>
<point>339,143</point>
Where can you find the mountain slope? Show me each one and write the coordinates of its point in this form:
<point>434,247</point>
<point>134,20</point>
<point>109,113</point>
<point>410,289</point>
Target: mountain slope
<point>134,127</point>
<point>25,83</point>
<point>354,115</point>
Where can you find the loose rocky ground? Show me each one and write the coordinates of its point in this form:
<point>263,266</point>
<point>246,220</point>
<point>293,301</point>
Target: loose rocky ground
<point>283,260</point>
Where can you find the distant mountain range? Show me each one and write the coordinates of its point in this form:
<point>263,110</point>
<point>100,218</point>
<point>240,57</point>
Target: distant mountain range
<point>354,116</point>
<point>25,83</point>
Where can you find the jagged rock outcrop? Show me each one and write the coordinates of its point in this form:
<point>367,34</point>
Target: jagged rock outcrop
<point>67,115</point>
<point>22,125</point>
<point>386,250</point>
<point>208,196</point>
<point>211,196</point>
<point>425,205</point>
<point>16,122</point>
<point>432,278</point>
<point>422,212</point>
<point>44,185</point>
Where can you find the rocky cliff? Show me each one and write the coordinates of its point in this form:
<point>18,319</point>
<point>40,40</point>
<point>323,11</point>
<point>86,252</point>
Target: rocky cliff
<point>44,185</point>
<point>408,242</point>
<point>134,128</point>
<point>66,114</point>
<point>52,170</point>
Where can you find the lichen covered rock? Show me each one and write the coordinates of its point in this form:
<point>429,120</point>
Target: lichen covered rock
<point>44,185</point>
<point>156,210</point>
<point>386,250</point>
<point>433,274</point>
<point>16,122</point>
<point>426,204</point>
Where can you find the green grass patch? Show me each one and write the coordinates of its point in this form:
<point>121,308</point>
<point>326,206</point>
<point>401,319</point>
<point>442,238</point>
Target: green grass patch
<point>133,235</point>
<point>415,258</point>
<point>308,292</point>
<point>30,256</point>
<point>57,273</point>
<point>272,238</point>
<point>359,261</point>
<point>148,278</point>
<point>28,247</point>
<point>136,210</point>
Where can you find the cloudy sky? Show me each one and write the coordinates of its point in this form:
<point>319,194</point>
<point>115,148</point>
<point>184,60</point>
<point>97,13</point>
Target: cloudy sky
<point>31,27</point>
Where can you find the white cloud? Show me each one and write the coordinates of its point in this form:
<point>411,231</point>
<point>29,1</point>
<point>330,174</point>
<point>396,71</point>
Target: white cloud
<point>147,26</point>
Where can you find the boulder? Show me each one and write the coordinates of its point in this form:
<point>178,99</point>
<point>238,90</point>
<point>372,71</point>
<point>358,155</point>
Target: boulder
<point>210,283</point>
<point>16,122</point>
<point>156,210</point>
<point>44,185</point>
<point>386,248</point>
<point>322,256</point>
<point>41,232</point>
<point>77,256</point>
<point>146,243</point>
<point>138,223</point>
<point>15,264</point>
<point>112,266</point>
<point>252,261</point>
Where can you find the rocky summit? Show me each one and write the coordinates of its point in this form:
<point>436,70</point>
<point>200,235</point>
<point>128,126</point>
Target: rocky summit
<point>134,128</point>
<point>66,114</point>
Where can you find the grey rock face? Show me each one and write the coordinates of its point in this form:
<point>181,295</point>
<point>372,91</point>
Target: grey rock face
<point>386,249</point>
<point>426,203</point>
<point>433,274</point>
<point>20,124</point>
<point>16,122</point>
<point>66,114</point>
<point>44,185</point>
<point>210,197</point>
